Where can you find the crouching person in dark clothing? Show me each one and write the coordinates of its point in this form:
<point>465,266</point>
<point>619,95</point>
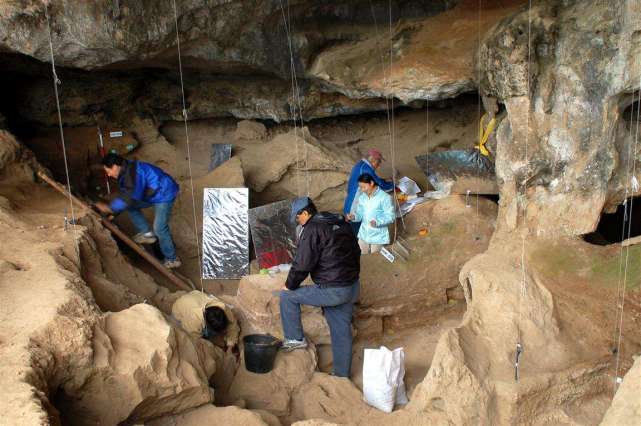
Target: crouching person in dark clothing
<point>328,251</point>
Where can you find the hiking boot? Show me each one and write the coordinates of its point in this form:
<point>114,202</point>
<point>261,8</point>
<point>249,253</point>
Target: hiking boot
<point>172,264</point>
<point>292,344</point>
<point>145,238</point>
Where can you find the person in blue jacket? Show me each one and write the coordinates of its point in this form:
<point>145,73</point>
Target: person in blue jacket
<point>144,185</point>
<point>375,210</point>
<point>367,165</point>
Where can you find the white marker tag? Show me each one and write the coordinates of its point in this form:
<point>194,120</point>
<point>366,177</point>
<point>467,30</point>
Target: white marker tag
<point>387,255</point>
<point>117,134</point>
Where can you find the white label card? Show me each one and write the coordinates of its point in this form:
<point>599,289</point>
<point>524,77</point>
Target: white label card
<point>387,254</point>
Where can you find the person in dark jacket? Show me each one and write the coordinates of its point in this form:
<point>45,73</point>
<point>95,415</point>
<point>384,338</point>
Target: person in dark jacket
<point>144,185</point>
<point>328,251</point>
<point>366,166</point>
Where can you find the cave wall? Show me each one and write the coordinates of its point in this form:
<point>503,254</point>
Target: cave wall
<point>117,59</point>
<point>561,156</point>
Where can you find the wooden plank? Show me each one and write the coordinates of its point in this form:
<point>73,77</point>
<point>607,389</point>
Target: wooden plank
<point>121,235</point>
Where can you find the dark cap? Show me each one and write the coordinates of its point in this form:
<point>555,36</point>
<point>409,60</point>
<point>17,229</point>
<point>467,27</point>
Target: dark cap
<point>297,205</point>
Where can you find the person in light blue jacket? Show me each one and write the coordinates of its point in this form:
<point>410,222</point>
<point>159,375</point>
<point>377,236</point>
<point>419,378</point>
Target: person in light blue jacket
<point>367,165</point>
<point>375,210</point>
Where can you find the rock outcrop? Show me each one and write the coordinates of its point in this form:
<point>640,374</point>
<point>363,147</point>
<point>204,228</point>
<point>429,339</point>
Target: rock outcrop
<point>564,142</point>
<point>64,359</point>
<point>339,51</point>
<point>209,414</point>
<point>560,162</point>
<point>332,399</point>
<point>138,376</point>
<point>303,166</point>
<point>273,391</point>
<point>626,406</point>
<point>257,303</point>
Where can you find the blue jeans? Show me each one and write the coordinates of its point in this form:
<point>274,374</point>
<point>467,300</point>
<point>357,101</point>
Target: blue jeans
<point>337,304</point>
<point>162,213</point>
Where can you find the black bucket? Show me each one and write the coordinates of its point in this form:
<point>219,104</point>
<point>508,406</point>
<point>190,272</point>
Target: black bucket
<point>260,352</point>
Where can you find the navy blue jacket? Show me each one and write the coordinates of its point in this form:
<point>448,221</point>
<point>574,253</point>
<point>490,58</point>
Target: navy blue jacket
<point>328,251</point>
<point>143,182</point>
<point>361,168</point>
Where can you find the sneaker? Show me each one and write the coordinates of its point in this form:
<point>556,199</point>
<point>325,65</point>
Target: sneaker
<point>292,344</point>
<point>172,264</point>
<point>145,238</point>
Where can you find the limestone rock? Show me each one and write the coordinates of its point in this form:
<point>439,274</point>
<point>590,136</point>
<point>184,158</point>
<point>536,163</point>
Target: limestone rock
<point>550,149</point>
<point>140,375</point>
<point>272,391</point>
<point>250,130</point>
<point>127,285</point>
<point>303,165</point>
<point>626,406</point>
<point>424,64</point>
<point>440,390</point>
<point>298,151</point>
<point>155,148</point>
<point>209,414</point>
<point>257,303</point>
<point>268,417</point>
<point>330,398</point>
<point>17,163</point>
<point>108,37</point>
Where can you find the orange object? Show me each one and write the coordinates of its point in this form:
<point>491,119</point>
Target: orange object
<point>422,232</point>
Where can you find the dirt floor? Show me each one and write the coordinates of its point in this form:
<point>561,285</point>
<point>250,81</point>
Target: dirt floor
<point>418,344</point>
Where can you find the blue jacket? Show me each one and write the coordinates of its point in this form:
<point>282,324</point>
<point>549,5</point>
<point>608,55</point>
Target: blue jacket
<point>143,182</point>
<point>378,207</point>
<point>361,168</point>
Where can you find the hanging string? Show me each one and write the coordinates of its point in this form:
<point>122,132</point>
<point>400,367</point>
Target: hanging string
<point>191,179</point>
<point>522,292</point>
<point>427,139</point>
<point>56,82</point>
<point>622,276</point>
<point>393,125</point>
<point>626,226</point>
<point>478,164</point>
<point>388,103</point>
<point>627,255</point>
<point>296,102</point>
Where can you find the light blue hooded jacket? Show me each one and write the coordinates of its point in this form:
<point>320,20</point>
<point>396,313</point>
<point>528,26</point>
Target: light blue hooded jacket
<point>378,207</point>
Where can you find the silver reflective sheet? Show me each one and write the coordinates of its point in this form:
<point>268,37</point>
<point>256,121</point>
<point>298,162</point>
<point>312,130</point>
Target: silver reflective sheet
<point>225,233</point>
<point>273,234</point>
<point>220,152</point>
